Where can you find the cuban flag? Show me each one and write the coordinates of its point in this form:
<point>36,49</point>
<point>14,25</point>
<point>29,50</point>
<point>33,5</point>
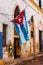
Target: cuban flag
<point>20,25</point>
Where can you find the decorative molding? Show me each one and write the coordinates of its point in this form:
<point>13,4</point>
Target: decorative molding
<point>36,6</point>
<point>16,36</point>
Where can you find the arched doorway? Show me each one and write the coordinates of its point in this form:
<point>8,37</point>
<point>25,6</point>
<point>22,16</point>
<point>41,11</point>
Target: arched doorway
<point>16,38</point>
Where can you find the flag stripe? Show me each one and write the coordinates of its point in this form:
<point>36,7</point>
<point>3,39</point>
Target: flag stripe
<point>24,32</point>
<point>19,32</point>
<point>25,23</point>
<point>16,27</point>
<point>22,38</point>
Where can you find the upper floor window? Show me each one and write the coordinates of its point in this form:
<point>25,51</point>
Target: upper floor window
<point>17,11</point>
<point>40,3</point>
<point>32,19</point>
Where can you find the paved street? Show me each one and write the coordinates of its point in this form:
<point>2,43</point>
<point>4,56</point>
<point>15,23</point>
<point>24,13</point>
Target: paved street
<point>38,61</point>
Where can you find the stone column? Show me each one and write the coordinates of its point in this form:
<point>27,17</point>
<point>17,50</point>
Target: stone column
<point>36,34</point>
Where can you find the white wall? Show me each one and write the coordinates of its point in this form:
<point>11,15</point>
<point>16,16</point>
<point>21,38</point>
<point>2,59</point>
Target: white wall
<point>10,33</point>
<point>8,7</point>
<point>42,4</point>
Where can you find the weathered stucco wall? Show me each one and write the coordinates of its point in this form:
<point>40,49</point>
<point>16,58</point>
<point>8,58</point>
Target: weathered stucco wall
<point>7,7</point>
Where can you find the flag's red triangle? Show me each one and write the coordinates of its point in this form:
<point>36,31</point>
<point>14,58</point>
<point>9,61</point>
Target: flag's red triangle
<point>19,18</point>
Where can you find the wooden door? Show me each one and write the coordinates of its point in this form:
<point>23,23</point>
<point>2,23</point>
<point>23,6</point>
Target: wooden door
<point>4,35</point>
<point>16,48</point>
<point>40,41</point>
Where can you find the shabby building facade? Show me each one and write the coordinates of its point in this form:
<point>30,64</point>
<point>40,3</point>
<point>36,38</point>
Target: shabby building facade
<point>34,14</point>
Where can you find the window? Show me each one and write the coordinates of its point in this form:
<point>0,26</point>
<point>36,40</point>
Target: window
<point>32,34</point>
<point>17,11</point>
<point>40,3</point>
<point>32,19</point>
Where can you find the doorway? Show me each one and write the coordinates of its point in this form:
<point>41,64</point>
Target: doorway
<point>4,35</point>
<point>16,48</point>
<point>40,41</point>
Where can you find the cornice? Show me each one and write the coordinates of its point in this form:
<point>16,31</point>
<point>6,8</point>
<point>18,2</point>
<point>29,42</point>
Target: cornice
<point>36,6</point>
